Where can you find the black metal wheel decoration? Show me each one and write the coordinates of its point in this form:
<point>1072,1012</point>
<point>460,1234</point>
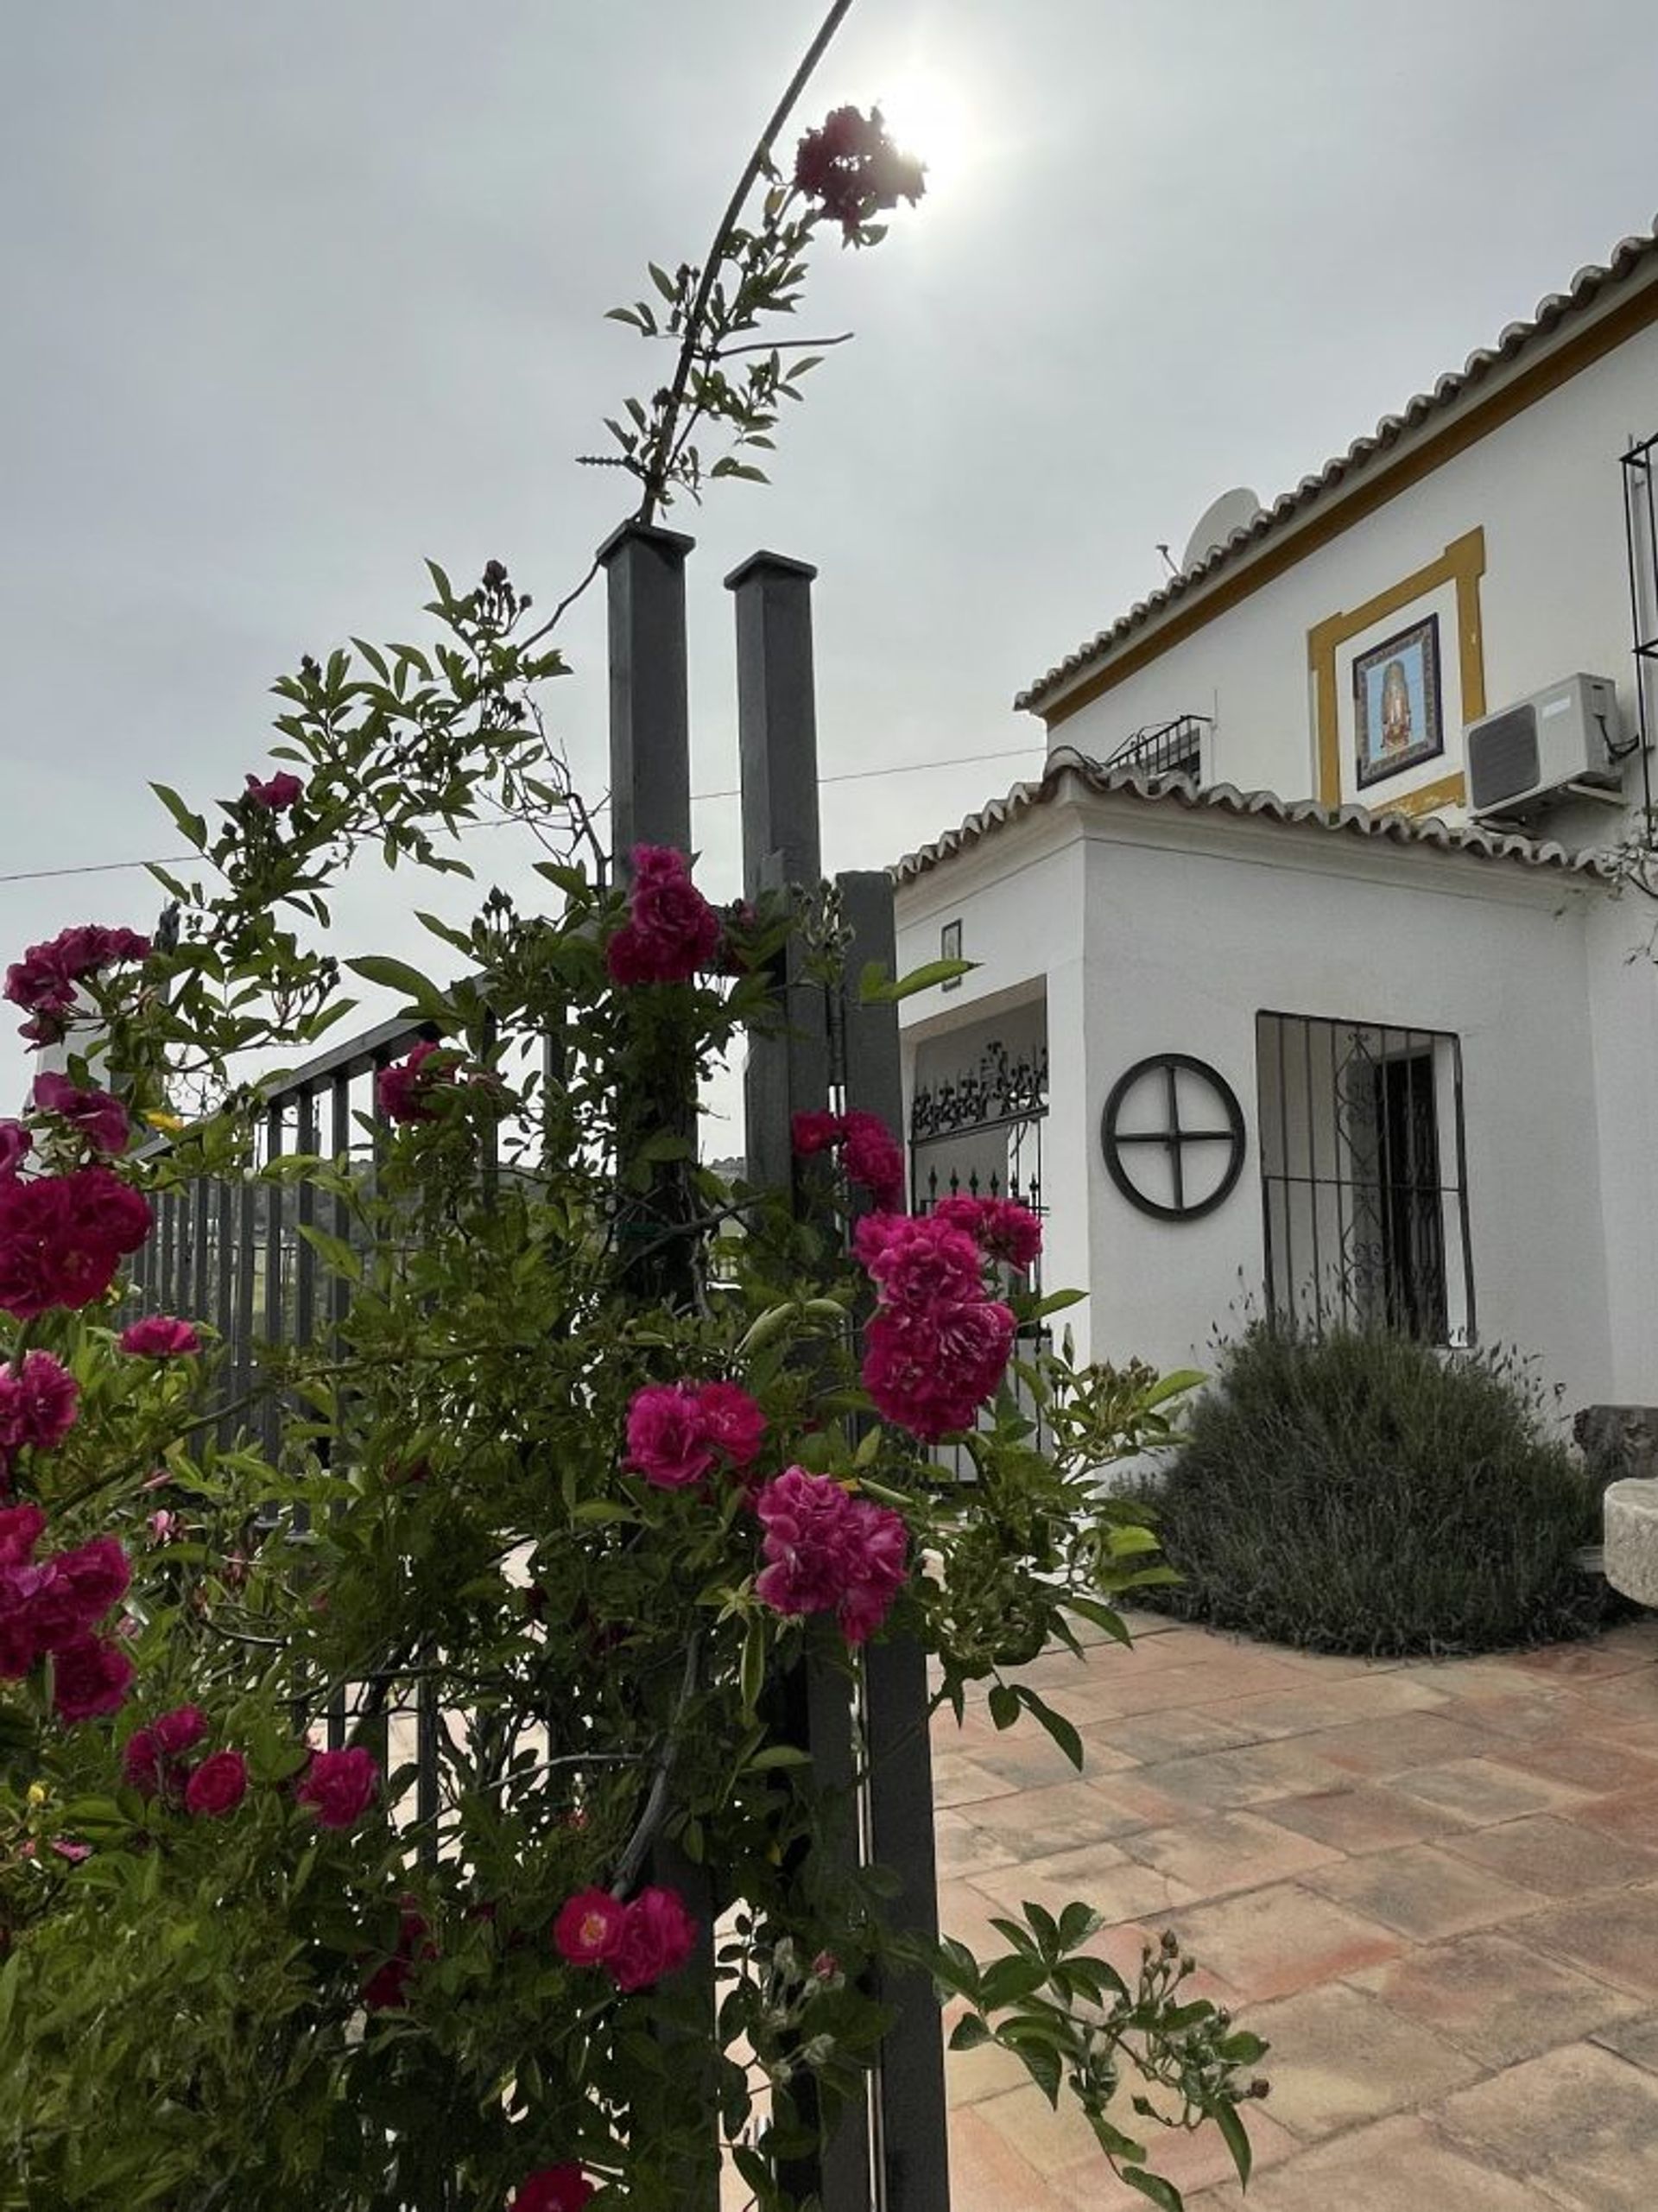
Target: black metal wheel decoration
<point>1176,1137</point>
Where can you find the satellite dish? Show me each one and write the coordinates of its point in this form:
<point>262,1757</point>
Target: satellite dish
<point>1232,511</point>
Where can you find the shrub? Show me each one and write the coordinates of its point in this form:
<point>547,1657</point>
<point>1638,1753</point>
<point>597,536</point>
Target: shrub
<point>1362,1493</point>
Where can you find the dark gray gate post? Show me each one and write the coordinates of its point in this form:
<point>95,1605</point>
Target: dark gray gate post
<point>650,804</point>
<point>787,1075</point>
<point>912,2136</point>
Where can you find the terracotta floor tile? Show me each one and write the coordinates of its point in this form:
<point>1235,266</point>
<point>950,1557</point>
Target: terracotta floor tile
<point>1250,1774</point>
<point>960,1780</point>
<point>1192,2160</point>
<point>1423,1893</point>
<point>1635,2039</point>
<point>1578,1663</point>
<point>984,2071</point>
<point>1631,1696</point>
<point>1402,2164</point>
<point>1102,1876</point>
<point>1047,2140</point>
<point>1614,1936</point>
<point>1035,1823</point>
<point>1270,1943</point>
<point>1580,2122</point>
<point>1631,1814</point>
<point>1362,1819</point>
<point>964,1849</point>
<point>1219,1853</point>
<point>988,2175</point>
<point>1603,1764</point>
<point>1559,1857</point>
<point>1496,1996</point>
<point>1312,1707</point>
<point>1119,1693</point>
<point>1479,1792</point>
<point>964,1913</point>
<point>1172,1733</point>
<point>1338,2056</point>
<point>1378,1748</point>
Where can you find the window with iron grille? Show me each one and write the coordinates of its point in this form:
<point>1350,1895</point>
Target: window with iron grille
<point>1364,1176</point>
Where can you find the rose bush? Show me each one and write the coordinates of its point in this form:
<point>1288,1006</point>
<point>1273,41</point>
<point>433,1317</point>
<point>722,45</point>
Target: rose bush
<point>540,1501</point>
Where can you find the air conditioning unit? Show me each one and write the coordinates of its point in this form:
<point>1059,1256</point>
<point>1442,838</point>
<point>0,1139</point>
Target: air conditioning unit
<point>1567,734</point>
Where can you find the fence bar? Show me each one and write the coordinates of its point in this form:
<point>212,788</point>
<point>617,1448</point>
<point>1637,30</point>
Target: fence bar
<point>912,2140</point>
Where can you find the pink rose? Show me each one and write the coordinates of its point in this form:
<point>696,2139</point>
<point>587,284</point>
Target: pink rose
<point>62,1238</point>
<point>97,1116</point>
<point>918,1261</point>
<point>828,1552</point>
<point>181,1730</point>
<point>589,1927</point>
<point>21,1528</point>
<point>667,1436</point>
<point>43,982</point>
<point>98,1575</point>
<point>387,1988</point>
<point>140,1763</point>
<point>159,1337</point>
<point>283,791</point>
<point>930,1371</point>
<point>657,1936</point>
<point>811,1133</point>
<point>403,1089</point>
<point>671,930</point>
<point>731,1421</point>
<point>874,1157</point>
<point>38,1403</point>
<point>552,2189</point>
<point>853,170</point>
<point>90,1677</point>
<point>15,1145</point>
<point>339,1786</point>
<point>217,1786</point>
<point>1003,1228</point>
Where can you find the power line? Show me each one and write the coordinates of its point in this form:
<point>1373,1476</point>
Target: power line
<point>698,798</point>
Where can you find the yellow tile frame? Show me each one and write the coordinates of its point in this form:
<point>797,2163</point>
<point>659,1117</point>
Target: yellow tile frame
<point>1462,563</point>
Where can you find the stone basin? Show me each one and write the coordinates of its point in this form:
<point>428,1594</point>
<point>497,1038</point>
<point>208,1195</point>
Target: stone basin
<point>1631,1563</point>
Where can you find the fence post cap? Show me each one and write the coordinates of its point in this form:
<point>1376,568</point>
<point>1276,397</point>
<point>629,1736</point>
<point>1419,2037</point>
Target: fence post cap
<point>674,543</point>
<point>770,564</point>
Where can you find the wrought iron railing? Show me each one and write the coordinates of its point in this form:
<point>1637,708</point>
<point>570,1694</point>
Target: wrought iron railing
<point>1174,748</point>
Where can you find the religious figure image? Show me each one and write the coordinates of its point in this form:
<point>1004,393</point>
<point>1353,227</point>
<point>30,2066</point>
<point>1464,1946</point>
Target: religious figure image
<point>1397,716</point>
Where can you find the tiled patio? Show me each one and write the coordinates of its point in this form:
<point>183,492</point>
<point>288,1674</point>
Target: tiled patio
<point>1434,1887</point>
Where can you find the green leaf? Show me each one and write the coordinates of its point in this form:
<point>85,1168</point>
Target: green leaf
<point>1175,1385</point>
<point>336,1254</point>
<point>663,283</point>
<point>1009,1981</point>
<point>1056,1302</point>
<point>753,1678</point>
<point>876,988</point>
<point>1077,1924</point>
<point>189,825</point>
<point>1242,2048</point>
<point>1056,1724</point>
<point>969,2032</point>
<point>1102,1617</point>
<point>1154,2186</point>
<point>398,975</point>
<point>1237,2141</point>
<point>1005,1704</point>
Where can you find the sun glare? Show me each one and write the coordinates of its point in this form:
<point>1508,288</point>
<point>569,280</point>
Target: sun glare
<point>927,116</point>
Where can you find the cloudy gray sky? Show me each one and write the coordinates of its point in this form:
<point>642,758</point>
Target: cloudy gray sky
<point>296,293</point>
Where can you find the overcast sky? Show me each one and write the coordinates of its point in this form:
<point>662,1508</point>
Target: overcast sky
<point>296,293</point>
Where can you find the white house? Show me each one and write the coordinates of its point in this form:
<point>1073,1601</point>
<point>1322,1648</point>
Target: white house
<point>1291,991</point>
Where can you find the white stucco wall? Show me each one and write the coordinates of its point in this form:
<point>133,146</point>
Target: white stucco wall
<point>1546,488</point>
<point>1159,930</point>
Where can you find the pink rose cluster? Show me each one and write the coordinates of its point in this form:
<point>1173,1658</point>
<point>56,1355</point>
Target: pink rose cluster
<point>97,1118</point>
<point>63,1236</point>
<point>636,1943</point>
<point>677,1431</point>
<point>43,982</point>
<point>671,930</point>
<point>870,1154</point>
<point>49,1608</point>
<point>283,791</point>
<point>154,1764</point>
<point>339,1786</point>
<point>39,1400</point>
<point>826,1551</point>
<point>938,1345</point>
<point>404,1090</point>
<point>16,1145</point>
<point>853,170</point>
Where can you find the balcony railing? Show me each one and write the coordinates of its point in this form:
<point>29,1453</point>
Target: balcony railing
<point>1165,748</point>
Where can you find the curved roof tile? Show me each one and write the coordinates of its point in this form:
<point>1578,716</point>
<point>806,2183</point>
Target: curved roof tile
<point>1227,798</point>
<point>1625,257</point>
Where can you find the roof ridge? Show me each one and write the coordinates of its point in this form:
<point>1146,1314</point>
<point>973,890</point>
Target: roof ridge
<point>1514,338</point>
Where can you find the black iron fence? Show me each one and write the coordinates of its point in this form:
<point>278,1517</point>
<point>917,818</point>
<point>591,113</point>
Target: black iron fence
<point>1171,748</point>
